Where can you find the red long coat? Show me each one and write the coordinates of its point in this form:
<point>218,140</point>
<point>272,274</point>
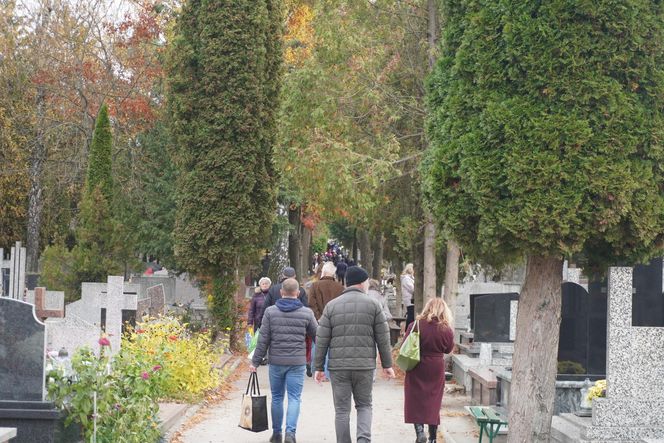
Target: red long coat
<point>424,385</point>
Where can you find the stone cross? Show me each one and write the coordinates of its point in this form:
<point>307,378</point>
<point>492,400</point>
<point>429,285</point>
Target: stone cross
<point>114,304</point>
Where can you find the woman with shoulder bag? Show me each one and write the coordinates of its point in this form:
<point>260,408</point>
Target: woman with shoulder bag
<point>424,385</point>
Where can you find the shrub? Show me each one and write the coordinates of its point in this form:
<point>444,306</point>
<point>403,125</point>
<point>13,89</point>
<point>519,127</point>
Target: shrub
<point>185,360</point>
<point>126,396</point>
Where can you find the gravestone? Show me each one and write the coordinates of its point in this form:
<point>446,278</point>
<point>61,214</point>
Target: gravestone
<point>632,409</point>
<point>494,317</point>
<point>114,304</point>
<point>648,297</point>
<point>22,352</point>
<point>582,345</point>
<point>12,273</point>
<point>155,301</point>
<point>22,391</point>
<point>49,304</point>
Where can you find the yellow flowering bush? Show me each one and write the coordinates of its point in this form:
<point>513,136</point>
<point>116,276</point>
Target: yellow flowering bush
<point>598,390</point>
<point>184,359</point>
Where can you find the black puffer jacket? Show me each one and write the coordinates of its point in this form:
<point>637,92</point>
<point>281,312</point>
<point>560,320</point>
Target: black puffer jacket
<point>352,326</point>
<point>285,325</point>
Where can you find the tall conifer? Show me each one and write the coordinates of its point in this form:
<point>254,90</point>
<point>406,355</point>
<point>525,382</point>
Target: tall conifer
<point>546,124</point>
<point>223,86</point>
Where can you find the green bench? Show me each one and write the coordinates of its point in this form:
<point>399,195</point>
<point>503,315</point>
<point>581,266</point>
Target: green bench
<point>488,419</point>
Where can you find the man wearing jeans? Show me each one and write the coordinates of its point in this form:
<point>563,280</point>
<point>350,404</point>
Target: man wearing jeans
<point>283,331</point>
<point>351,328</point>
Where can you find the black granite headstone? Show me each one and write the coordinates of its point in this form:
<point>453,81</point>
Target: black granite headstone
<point>491,317</point>
<point>648,298</point>
<point>22,352</point>
<point>582,345</point>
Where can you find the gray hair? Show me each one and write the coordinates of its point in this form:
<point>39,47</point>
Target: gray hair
<point>329,269</point>
<point>290,287</point>
<point>264,280</point>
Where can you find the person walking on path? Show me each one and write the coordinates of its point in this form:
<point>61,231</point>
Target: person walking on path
<point>285,326</point>
<point>407,292</point>
<point>324,290</point>
<point>351,327</point>
<point>321,293</point>
<point>274,294</point>
<point>255,315</point>
<point>374,291</point>
<point>424,385</point>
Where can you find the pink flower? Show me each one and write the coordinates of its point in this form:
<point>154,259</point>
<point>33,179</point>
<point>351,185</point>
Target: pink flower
<point>145,375</point>
<point>173,338</point>
<point>104,342</point>
<point>156,368</point>
<point>204,330</point>
<point>140,331</point>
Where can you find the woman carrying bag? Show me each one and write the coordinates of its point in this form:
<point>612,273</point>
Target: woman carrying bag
<point>425,383</point>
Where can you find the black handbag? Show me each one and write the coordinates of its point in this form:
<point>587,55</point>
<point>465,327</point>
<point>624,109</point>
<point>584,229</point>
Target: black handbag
<point>254,407</point>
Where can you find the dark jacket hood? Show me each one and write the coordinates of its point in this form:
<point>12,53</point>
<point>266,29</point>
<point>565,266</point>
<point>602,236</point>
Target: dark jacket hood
<point>288,304</point>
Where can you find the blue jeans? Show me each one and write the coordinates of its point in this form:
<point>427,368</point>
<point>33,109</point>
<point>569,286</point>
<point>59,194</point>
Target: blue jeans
<point>286,379</point>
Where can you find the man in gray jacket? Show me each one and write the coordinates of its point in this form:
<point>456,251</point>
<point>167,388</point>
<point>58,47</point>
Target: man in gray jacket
<point>284,328</point>
<point>351,328</point>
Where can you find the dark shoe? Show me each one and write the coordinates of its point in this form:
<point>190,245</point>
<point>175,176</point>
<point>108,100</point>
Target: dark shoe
<point>276,438</point>
<point>433,432</point>
<point>290,438</point>
<point>309,373</point>
<point>419,431</point>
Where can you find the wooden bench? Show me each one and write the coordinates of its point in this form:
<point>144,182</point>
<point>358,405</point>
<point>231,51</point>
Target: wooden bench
<point>489,421</point>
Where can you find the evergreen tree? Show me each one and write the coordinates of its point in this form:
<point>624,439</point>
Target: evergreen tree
<point>546,121</point>
<point>100,172</point>
<point>224,81</point>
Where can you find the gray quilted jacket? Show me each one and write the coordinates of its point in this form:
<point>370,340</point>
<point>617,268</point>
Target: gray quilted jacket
<point>351,327</point>
<point>283,331</point>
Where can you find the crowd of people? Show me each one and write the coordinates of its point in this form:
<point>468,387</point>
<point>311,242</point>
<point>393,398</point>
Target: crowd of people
<point>335,331</point>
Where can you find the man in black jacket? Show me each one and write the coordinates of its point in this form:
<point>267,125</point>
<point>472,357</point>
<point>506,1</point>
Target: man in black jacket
<point>285,326</point>
<point>274,294</point>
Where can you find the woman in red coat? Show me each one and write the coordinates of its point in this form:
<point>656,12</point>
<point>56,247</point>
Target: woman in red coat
<point>424,384</point>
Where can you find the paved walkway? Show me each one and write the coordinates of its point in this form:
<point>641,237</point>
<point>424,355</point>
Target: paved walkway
<point>316,422</point>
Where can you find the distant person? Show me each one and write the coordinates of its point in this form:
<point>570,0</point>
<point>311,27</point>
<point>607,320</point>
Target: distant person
<point>407,292</point>
<point>374,291</point>
<point>322,292</point>
<point>255,315</point>
<point>352,326</point>
<point>424,385</point>
<point>285,326</point>
<point>341,272</point>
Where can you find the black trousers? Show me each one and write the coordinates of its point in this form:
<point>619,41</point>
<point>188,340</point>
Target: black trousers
<point>410,315</point>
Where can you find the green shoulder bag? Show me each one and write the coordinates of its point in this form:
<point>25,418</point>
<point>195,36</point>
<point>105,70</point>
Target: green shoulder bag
<point>409,354</point>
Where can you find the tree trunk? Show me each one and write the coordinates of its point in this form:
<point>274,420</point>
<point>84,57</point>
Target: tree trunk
<point>294,236</point>
<point>305,254</point>
<point>536,351</point>
<point>418,264</point>
<point>377,262</point>
<point>452,275</point>
<point>354,248</point>
<point>364,244</point>
<point>429,277</point>
<point>37,159</point>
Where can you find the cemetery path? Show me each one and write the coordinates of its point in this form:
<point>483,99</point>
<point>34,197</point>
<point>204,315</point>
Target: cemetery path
<point>316,424</point>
